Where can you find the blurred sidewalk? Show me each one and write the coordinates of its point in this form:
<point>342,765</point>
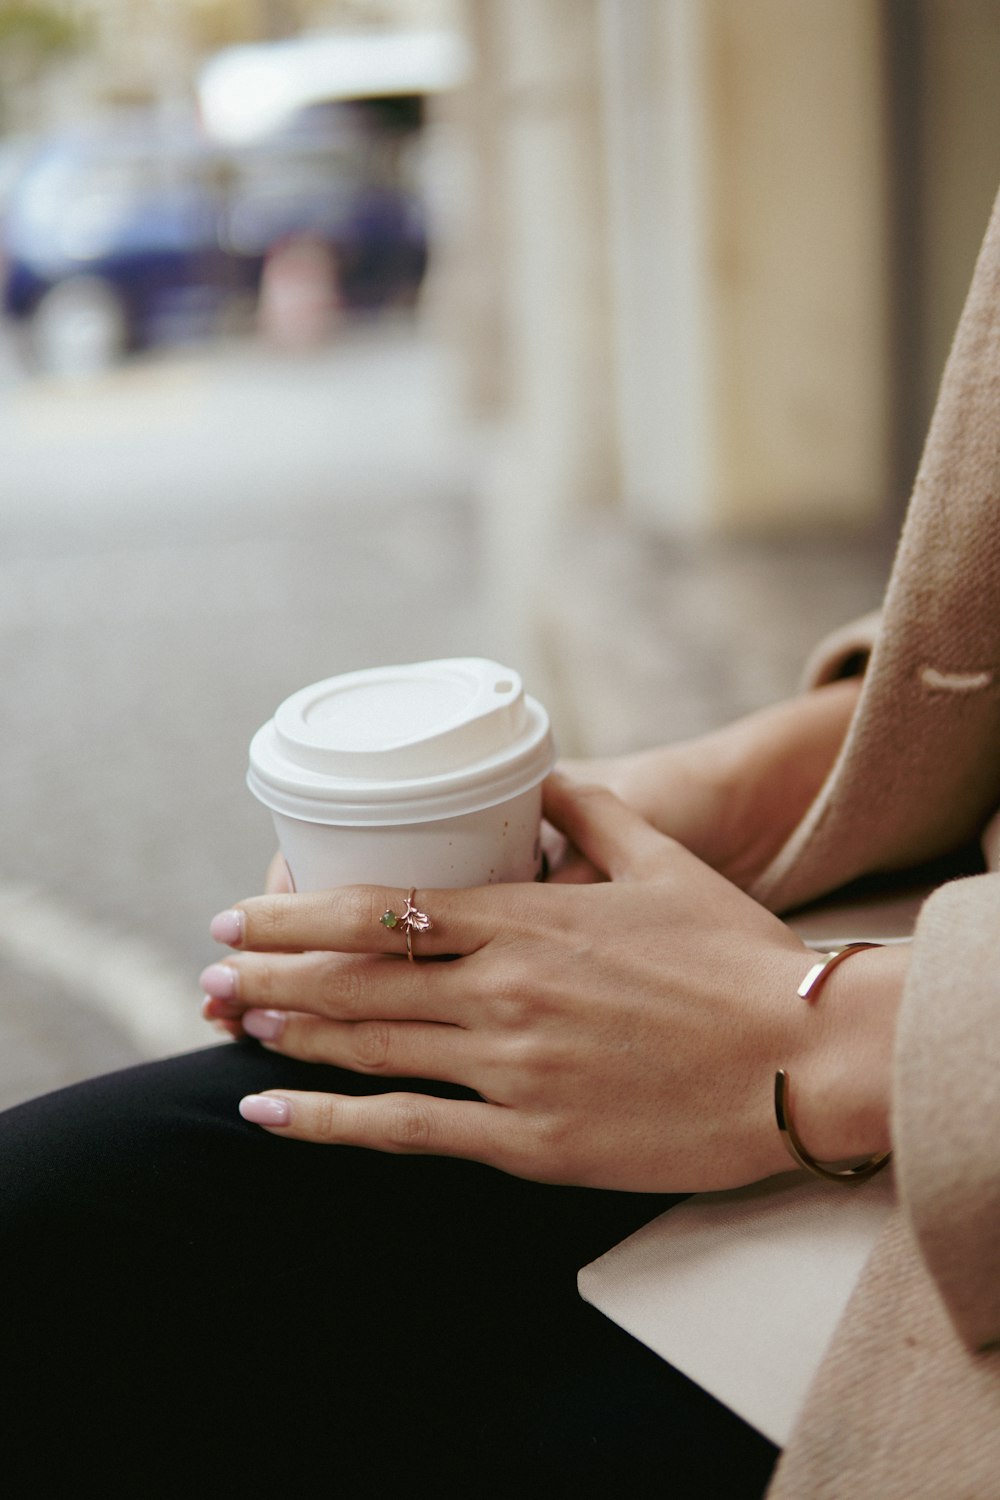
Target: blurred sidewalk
<point>185,541</point>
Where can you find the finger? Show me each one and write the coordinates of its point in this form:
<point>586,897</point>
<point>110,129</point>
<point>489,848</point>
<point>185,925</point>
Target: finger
<point>616,840</point>
<point>349,919</point>
<point>232,1029</point>
<point>412,1124</point>
<point>575,870</point>
<point>216,1008</point>
<point>565,865</point>
<point>555,846</point>
<point>390,1049</point>
<point>338,986</point>
<point>278,877</point>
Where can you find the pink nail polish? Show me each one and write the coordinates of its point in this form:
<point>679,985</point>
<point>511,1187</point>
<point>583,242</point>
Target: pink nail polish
<point>228,927</point>
<point>219,980</point>
<point>265,1025</point>
<point>264,1109</point>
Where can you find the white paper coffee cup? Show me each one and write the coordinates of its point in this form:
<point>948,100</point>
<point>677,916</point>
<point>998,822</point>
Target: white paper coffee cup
<point>425,775</point>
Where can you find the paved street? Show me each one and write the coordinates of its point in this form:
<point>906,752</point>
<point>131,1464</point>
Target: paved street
<point>185,541</point>
<point>182,543</point>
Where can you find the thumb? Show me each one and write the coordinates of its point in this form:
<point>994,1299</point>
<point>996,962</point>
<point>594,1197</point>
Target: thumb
<point>278,879</point>
<point>620,843</point>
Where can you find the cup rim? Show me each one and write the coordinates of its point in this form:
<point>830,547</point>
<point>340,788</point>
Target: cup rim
<point>313,796</point>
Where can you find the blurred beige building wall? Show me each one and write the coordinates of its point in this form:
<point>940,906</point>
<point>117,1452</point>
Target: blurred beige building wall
<point>957,81</point>
<point>795,277</point>
<point>681,289</point>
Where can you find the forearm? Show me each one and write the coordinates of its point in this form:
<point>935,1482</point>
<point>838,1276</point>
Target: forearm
<point>733,796</point>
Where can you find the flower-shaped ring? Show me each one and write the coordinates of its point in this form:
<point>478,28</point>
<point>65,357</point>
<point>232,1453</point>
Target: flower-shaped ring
<point>410,920</point>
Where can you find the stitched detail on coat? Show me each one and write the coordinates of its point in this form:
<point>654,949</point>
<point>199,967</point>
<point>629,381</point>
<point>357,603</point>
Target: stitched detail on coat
<point>955,682</point>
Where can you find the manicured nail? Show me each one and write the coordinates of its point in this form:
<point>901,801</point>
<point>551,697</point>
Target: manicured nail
<point>219,980</point>
<point>228,927</point>
<point>265,1025</point>
<point>220,1010</point>
<point>264,1109</point>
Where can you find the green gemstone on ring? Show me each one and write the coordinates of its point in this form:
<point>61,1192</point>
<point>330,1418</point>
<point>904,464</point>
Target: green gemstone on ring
<point>388,919</point>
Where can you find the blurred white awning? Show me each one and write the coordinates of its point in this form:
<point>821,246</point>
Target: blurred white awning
<point>247,91</point>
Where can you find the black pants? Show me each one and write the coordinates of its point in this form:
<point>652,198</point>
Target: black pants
<point>194,1308</point>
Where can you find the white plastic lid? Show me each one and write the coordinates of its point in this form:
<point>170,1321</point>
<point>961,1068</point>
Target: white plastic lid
<point>405,744</point>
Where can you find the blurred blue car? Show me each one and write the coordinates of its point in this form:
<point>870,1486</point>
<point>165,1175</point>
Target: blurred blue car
<point>115,239</point>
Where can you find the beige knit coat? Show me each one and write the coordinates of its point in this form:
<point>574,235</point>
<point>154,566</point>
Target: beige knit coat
<point>907,1402</point>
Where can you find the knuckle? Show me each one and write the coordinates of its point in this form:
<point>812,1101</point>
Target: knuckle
<point>554,1148</point>
<point>345,985</point>
<point>356,904</point>
<point>262,983</point>
<point>512,994</point>
<point>407,1124</point>
<point>521,907</point>
<point>325,1117</point>
<point>268,922</point>
<point>524,1058</point>
<point>372,1041</point>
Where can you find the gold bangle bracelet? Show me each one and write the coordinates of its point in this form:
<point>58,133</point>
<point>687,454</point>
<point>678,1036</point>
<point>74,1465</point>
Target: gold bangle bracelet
<point>812,982</point>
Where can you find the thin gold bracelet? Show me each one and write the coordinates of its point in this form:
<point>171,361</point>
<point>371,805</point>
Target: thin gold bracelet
<point>809,986</point>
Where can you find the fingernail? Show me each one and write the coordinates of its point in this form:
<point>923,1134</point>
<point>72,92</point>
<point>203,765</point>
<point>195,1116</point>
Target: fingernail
<point>265,1109</point>
<point>220,1010</point>
<point>228,927</point>
<point>219,980</point>
<point>265,1025</point>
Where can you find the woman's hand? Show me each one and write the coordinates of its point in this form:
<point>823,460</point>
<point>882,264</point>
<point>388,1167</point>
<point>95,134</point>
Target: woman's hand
<point>277,881</point>
<point>733,796</point>
<point>623,1034</point>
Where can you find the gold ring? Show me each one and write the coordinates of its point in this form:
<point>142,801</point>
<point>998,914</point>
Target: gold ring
<point>410,920</point>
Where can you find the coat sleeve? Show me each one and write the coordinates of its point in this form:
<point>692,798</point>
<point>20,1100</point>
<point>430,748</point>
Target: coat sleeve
<point>918,774</point>
<point>946,1124</point>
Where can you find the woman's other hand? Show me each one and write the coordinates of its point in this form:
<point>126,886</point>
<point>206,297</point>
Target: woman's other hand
<point>624,1034</point>
<point>278,881</point>
<point>733,796</point>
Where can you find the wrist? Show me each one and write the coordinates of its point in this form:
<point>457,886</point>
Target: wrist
<point>842,1077</point>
